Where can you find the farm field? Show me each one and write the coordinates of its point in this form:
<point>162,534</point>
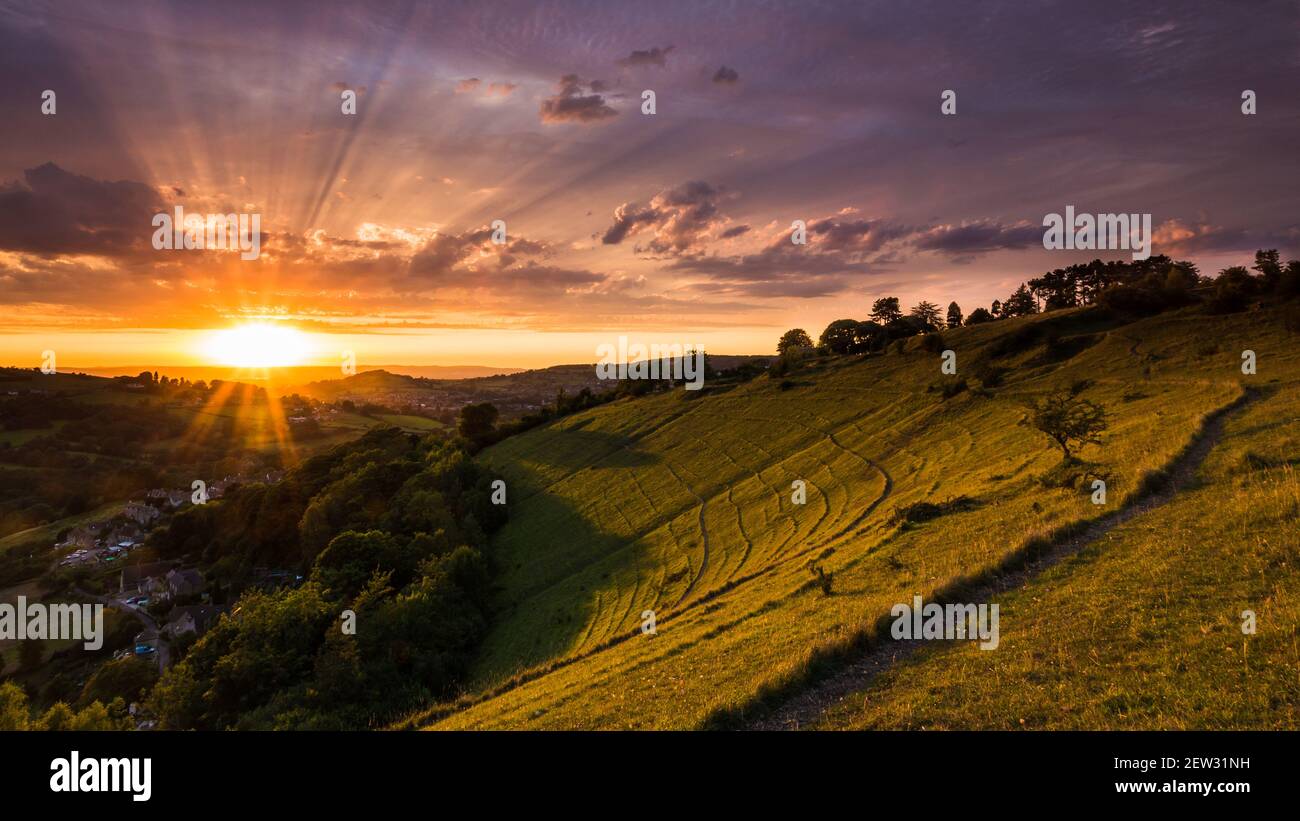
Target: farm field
<point>681,504</point>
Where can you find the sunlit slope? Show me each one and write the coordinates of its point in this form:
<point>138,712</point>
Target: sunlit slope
<point>1143,629</point>
<point>681,504</point>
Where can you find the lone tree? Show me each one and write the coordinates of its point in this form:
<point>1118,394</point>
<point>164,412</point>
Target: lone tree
<point>954,315</point>
<point>794,338</point>
<point>1070,421</point>
<point>927,312</point>
<point>885,310</point>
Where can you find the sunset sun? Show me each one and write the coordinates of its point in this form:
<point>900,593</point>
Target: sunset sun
<point>257,345</point>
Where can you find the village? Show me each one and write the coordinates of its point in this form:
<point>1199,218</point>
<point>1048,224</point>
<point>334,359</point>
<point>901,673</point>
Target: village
<point>172,602</point>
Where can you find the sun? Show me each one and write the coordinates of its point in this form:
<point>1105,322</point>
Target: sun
<point>257,345</point>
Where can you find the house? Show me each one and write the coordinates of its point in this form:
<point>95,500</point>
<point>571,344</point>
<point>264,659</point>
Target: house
<point>184,582</point>
<point>140,513</point>
<point>195,619</point>
<point>144,578</point>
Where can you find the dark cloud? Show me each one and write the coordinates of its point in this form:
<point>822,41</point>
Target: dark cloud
<point>682,218</point>
<point>571,105</point>
<point>651,57</point>
<point>57,212</point>
<point>726,75</point>
<point>470,260</point>
<point>735,232</point>
<point>832,235</point>
<point>979,237</point>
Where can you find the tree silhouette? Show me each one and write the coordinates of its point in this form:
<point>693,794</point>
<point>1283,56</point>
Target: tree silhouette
<point>1269,265</point>
<point>885,310</point>
<point>794,338</point>
<point>840,336</point>
<point>954,315</point>
<point>1021,303</point>
<point>927,312</point>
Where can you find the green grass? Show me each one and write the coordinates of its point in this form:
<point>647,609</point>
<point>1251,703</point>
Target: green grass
<point>18,437</point>
<point>610,510</point>
<point>1143,628</point>
<point>418,424</point>
<point>44,535</point>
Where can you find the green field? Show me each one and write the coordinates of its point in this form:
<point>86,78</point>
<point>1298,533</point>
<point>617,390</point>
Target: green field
<point>418,424</point>
<point>680,504</point>
<point>43,537</point>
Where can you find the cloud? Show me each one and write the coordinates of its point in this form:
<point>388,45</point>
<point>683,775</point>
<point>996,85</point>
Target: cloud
<point>57,212</point>
<point>651,57</point>
<point>979,237</point>
<point>571,105</point>
<point>468,85</point>
<point>1179,237</point>
<point>832,236</point>
<point>682,218</point>
<point>726,75</point>
<point>501,89</point>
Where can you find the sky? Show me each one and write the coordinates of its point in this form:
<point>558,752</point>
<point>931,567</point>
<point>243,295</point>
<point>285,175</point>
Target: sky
<point>671,227</point>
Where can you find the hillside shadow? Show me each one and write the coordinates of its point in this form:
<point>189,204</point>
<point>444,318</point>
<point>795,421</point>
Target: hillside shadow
<point>558,575</point>
<point>576,449</point>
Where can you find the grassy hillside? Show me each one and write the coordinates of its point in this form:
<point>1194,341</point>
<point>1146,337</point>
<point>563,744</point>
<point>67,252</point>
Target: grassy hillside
<point>1142,629</point>
<point>680,503</point>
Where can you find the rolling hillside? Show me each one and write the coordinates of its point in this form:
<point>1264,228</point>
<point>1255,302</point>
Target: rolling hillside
<point>681,504</point>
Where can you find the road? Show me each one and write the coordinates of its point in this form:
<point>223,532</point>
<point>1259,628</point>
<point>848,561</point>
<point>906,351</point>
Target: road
<point>164,651</point>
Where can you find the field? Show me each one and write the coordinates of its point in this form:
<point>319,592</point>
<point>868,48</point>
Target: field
<point>681,504</point>
<point>44,536</point>
<point>1143,628</point>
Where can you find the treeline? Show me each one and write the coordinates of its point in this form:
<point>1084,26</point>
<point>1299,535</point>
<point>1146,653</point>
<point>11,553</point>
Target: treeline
<point>1139,287</point>
<point>390,530</point>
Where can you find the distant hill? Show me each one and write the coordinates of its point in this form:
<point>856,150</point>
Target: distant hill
<point>681,505</point>
<point>513,394</point>
<point>296,375</point>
